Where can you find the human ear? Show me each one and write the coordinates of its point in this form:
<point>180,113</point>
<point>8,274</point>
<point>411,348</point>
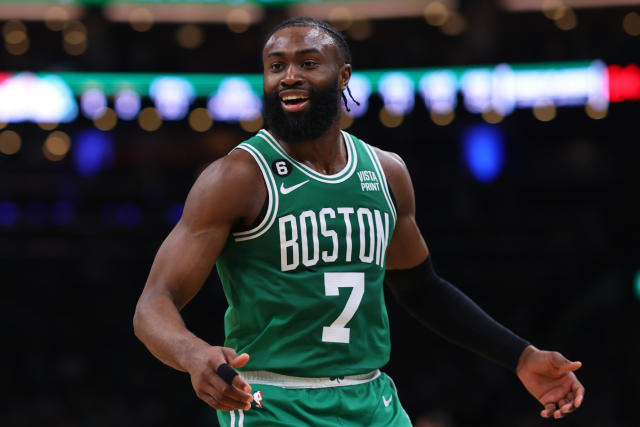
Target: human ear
<point>345,76</point>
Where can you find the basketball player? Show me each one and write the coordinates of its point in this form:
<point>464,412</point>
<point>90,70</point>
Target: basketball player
<point>302,220</point>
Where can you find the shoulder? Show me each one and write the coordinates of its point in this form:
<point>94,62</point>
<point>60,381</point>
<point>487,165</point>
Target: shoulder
<point>398,177</point>
<point>236,169</point>
<point>391,163</point>
<point>226,189</point>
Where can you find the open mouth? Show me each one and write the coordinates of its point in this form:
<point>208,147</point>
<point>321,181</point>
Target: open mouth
<point>294,102</point>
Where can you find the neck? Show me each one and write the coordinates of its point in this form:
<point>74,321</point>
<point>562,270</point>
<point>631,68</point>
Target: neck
<point>326,154</point>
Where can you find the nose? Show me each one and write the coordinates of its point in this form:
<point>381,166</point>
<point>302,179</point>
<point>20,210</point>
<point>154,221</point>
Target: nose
<point>291,77</point>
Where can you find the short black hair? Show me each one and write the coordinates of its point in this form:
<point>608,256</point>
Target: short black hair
<point>307,21</point>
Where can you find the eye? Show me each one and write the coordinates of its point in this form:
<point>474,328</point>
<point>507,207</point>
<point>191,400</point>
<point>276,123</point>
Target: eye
<point>309,63</point>
<point>276,66</point>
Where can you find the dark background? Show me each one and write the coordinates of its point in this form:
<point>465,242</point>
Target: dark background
<point>549,249</point>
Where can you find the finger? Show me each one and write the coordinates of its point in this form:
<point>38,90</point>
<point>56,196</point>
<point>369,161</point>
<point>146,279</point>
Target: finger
<point>571,400</point>
<point>563,363</point>
<point>571,366</point>
<point>231,376</point>
<point>548,410</point>
<point>226,372</point>
<point>230,402</point>
<point>241,384</point>
<point>566,405</point>
<point>557,413</point>
<point>239,361</point>
<point>233,359</point>
<point>225,397</point>
<point>229,353</point>
<point>213,383</point>
<point>231,391</point>
<point>578,391</point>
<point>213,402</point>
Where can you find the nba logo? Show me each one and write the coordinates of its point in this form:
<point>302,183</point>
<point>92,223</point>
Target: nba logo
<point>257,399</point>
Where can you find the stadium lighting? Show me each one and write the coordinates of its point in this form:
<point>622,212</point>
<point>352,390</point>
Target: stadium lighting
<point>360,88</point>
<point>439,89</point>
<point>234,101</point>
<point>9,214</point>
<point>489,90</point>
<point>92,152</point>
<point>93,103</point>
<point>397,91</point>
<point>534,5</point>
<point>172,97</point>
<point>483,150</point>
<point>127,104</point>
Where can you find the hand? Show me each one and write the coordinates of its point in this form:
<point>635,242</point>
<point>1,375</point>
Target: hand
<point>212,389</point>
<point>549,377</point>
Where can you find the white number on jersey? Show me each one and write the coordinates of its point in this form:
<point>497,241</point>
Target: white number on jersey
<point>332,284</point>
<point>282,168</point>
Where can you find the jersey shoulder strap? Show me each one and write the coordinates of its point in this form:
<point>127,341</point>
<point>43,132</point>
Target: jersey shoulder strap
<point>368,152</point>
<point>258,148</point>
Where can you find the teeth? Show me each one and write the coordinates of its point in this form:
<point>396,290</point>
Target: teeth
<point>293,97</point>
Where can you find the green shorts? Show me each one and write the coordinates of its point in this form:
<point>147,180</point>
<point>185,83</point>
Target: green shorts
<point>373,402</point>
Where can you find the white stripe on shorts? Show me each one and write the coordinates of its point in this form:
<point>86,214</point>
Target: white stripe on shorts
<point>232,421</point>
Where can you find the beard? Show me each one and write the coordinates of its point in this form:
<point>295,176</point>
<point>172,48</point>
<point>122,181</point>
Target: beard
<point>307,125</point>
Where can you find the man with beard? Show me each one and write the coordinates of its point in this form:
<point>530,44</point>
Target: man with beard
<point>302,221</point>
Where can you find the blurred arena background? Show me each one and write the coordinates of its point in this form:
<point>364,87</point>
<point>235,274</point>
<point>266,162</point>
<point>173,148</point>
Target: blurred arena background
<point>517,118</point>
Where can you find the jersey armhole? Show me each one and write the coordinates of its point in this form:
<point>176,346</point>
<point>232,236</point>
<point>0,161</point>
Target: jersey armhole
<point>393,198</point>
<point>267,214</point>
<point>386,189</point>
<point>258,220</point>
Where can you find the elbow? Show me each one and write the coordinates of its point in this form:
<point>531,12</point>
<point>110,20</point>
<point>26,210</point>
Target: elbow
<point>138,320</point>
<point>407,299</point>
<point>403,286</point>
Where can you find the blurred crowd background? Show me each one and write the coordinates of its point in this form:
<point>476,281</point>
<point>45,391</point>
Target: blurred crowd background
<point>526,181</point>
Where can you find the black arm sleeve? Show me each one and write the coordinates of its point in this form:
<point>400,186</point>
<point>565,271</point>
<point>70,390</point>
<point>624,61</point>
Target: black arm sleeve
<point>443,308</point>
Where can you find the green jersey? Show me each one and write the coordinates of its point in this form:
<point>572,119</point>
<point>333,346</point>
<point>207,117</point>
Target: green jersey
<point>304,286</point>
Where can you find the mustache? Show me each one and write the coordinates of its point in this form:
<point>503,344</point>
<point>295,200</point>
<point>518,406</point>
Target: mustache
<point>297,89</point>
<point>323,111</point>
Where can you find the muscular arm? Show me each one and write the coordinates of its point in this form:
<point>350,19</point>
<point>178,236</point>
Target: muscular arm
<point>433,301</point>
<point>183,263</point>
<point>547,375</point>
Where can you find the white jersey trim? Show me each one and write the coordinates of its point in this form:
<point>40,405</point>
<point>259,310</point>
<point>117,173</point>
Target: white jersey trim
<point>383,178</point>
<point>272,194</point>
<point>343,175</point>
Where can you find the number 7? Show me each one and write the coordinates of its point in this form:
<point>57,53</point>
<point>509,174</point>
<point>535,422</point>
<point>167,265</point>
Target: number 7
<point>332,284</point>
